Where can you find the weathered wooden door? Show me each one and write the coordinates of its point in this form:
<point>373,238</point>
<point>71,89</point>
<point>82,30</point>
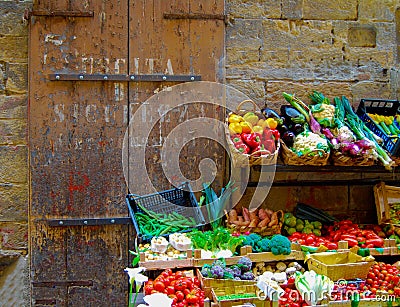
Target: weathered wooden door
<point>91,64</point>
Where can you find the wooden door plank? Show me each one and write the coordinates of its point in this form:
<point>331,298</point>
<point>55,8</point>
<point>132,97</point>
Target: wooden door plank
<point>76,133</point>
<point>173,44</point>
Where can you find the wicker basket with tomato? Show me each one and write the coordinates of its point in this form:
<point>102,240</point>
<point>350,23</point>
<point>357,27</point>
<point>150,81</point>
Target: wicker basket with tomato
<point>252,138</point>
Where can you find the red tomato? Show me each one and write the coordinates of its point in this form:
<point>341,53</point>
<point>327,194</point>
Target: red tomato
<point>196,281</point>
<point>159,286</point>
<point>179,295</point>
<point>170,290</point>
<point>180,285</point>
<point>148,288</point>
<point>310,240</point>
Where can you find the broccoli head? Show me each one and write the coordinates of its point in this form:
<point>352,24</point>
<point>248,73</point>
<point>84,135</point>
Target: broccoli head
<point>263,245</point>
<point>251,240</point>
<point>280,245</point>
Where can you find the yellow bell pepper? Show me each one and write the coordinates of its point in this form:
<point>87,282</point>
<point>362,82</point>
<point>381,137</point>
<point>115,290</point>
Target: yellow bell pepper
<point>272,123</point>
<point>258,129</point>
<point>246,127</point>
<point>251,118</point>
<point>234,118</point>
<point>235,128</point>
<point>263,123</point>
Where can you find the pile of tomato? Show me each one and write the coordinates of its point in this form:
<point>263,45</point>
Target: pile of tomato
<point>344,230</point>
<point>383,276</point>
<point>185,291</point>
<point>291,298</point>
<point>312,240</point>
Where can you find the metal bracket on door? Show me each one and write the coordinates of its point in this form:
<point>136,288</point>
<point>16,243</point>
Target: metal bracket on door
<point>58,13</point>
<point>129,78</point>
<point>89,221</point>
<point>197,16</point>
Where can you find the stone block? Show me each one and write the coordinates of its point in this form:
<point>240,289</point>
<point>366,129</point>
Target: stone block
<point>13,132</point>
<point>376,10</point>
<point>245,33</point>
<point>241,56</point>
<point>11,13</point>
<point>370,89</point>
<point>13,202</point>
<point>253,9</point>
<point>14,48</point>
<point>255,90</point>
<point>330,10</point>
<point>362,36</point>
<point>13,164</point>
<point>13,236</point>
<point>292,9</point>
<point>17,78</point>
<point>15,106</point>
<point>274,90</point>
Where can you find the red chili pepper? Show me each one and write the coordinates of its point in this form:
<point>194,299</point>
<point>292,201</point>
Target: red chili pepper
<point>351,242</point>
<point>377,242</point>
<point>251,139</point>
<point>348,236</point>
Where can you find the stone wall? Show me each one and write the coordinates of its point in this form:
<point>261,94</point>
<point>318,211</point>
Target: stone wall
<point>14,188</point>
<point>343,47</point>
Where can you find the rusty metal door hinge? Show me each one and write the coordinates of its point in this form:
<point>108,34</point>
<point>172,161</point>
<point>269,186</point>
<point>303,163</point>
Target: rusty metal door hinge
<point>197,16</point>
<point>57,13</point>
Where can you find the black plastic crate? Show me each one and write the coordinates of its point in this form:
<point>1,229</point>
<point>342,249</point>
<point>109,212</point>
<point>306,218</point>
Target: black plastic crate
<point>381,107</point>
<point>180,200</point>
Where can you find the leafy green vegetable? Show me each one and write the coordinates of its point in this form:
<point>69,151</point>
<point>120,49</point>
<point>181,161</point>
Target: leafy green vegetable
<point>216,205</point>
<point>215,240</point>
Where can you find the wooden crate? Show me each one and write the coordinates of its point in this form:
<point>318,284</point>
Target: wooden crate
<point>384,196</point>
<point>338,265</point>
<point>208,283</point>
<point>259,300</point>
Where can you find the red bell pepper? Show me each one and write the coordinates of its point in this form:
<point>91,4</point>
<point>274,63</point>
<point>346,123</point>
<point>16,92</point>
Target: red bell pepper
<point>239,145</point>
<point>260,151</point>
<point>276,134</point>
<point>243,148</point>
<point>251,139</point>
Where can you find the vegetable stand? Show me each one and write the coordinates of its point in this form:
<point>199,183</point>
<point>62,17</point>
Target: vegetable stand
<point>363,241</point>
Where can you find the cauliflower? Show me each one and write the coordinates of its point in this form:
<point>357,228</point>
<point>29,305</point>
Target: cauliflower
<point>308,141</point>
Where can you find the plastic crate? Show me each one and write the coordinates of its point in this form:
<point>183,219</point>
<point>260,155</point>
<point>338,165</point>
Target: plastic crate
<point>180,200</point>
<point>381,107</point>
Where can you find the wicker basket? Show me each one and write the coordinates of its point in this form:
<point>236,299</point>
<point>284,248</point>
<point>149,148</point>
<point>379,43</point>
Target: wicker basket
<point>244,160</point>
<point>339,265</point>
<point>340,159</point>
<point>313,158</point>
